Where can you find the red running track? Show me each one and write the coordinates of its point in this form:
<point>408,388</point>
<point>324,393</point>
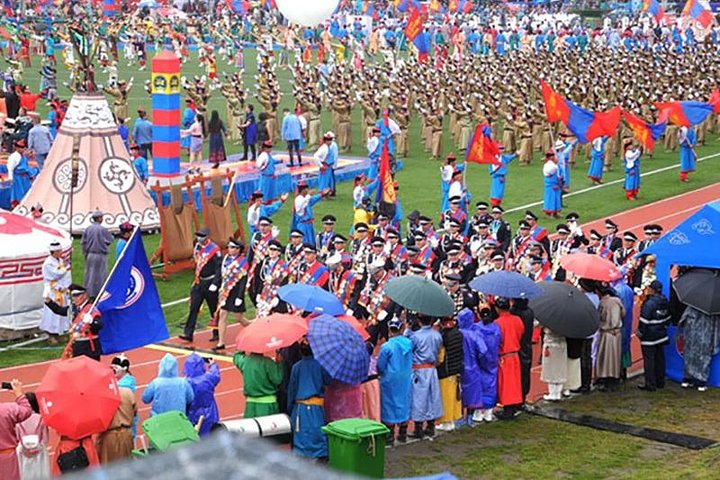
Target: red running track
<point>144,361</point>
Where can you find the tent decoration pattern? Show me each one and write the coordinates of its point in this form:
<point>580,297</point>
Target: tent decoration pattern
<point>106,180</point>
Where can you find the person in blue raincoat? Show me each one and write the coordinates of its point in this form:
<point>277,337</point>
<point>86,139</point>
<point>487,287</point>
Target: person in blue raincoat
<point>489,364</point>
<point>597,160</point>
<point>168,392</point>
<point>266,164</point>
<point>497,178</point>
<point>303,216</point>
<point>305,402</point>
<point>203,384</point>
<point>394,366</point>
<point>20,173</point>
<point>687,141</point>
<point>474,351</point>
<point>552,192</point>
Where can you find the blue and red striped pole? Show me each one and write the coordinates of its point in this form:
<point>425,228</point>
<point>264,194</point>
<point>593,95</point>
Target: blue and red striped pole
<point>165,83</point>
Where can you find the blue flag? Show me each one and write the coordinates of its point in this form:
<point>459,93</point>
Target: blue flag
<point>130,305</point>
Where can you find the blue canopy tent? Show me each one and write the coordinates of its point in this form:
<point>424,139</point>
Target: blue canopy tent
<point>693,243</point>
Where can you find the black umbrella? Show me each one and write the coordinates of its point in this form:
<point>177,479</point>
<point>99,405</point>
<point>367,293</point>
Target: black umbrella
<point>565,310</point>
<point>700,288</point>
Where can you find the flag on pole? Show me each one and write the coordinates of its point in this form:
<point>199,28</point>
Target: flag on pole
<point>644,132</point>
<point>653,8</point>
<point>482,148</point>
<point>556,109</point>
<point>694,9</point>
<point>414,32</point>
<point>130,305</point>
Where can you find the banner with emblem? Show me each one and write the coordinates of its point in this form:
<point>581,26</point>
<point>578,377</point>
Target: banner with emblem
<point>129,302</point>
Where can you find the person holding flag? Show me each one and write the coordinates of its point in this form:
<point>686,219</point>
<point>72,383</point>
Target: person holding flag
<point>631,157</point>
<point>687,141</point>
<point>497,177</point>
<point>597,159</point>
<point>85,327</point>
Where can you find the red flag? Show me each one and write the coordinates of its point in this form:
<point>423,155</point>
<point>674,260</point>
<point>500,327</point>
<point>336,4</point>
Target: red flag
<point>643,132</point>
<point>605,123</point>
<point>414,25</point>
<point>556,109</point>
<point>715,100</point>
<point>481,148</point>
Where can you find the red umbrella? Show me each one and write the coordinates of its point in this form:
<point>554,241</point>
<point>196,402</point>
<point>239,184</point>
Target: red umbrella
<point>270,333</point>
<point>355,324</point>
<point>78,397</point>
<point>592,267</point>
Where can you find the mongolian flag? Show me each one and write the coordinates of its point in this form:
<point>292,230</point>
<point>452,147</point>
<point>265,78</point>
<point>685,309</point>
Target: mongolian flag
<point>405,5</point>
<point>237,6</point>
<point>653,8</point>
<point>369,10</point>
<point>436,6</point>
<point>453,6</point>
<point>481,147</point>
<point>694,9</point>
<point>556,110</point>
<point>644,133</point>
<point>464,6</point>
<point>414,33</point>
<point>386,184</point>
<point>684,114</point>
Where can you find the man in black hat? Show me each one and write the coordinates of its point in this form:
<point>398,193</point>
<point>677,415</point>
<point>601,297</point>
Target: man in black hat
<point>560,246</point>
<point>612,241</point>
<point>397,253</point>
<point>376,307</point>
<point>343,282</point>
<point>413,226</point>
<point>85,327</point>
<point>596,245</point>
<point>452,235</point>
<point>520,244</point>
<point>324,239</point>
<point>455,213</point>
<point>500,229</point>
<point>271,274</point>
<point>311,271</point>
<point>626,254</point>
<point>461,296</point>
<point>652,332</point>
<point>359,249</point>
<point>453,263</point>
<point>231,297</point>
<point>95,242</point>
<point>538,233</point>
<point>482,214</point>
<point>208,265</point>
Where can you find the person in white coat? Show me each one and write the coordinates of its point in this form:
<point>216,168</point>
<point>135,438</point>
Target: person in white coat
<point>56,280</point>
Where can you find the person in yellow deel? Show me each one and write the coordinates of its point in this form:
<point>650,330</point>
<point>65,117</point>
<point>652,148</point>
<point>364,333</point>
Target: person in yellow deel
<point>449,369</point>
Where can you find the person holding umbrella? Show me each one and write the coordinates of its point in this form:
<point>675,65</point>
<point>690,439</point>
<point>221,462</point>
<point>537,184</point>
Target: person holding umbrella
<point>306,404</point>
<point>509,377</point>
<point>652,332</point>
<point>426,403</point>
<point>261,378</point>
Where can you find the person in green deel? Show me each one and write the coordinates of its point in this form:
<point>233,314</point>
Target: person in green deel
<point>261,378</point>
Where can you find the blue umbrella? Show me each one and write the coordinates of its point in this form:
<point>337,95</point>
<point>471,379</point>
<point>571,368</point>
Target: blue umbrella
<point>339,349</point>
<point>311,299</point>
<point>506,284</point>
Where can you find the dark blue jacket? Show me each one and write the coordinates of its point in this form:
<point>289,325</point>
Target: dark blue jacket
<point>654,317</point>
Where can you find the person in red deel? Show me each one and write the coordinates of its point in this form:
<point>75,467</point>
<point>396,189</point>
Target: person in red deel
<point>509,385</point>
<point>29,100</point>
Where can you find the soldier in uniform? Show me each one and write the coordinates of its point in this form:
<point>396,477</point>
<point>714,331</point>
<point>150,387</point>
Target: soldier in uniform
<point>520,244</point>
<point>611,240</point>
<point>540,269</point>
<point>500,229</point>
<point>313,272</point>
<point>294,254</point>
<point>453,263</point>
<point>259,243</point>
<point>86,324</point>
<point>231,298</point>
<point>461,295</point>
<point>343,282</point>
<point>481,214</point>
<point>272,273</point>
<point>397,253</point>
<point>625,255</point>
<point>324,239</point>
<point>596,246</point>
<point>359,249</point>
<point>377,307</point>
<point>208,265</point>
<point>453,235</point>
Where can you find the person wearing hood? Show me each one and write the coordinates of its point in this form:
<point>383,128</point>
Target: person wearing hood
<point>394,366</point>
<point>168,391</point>
<point>474,351</point>
<point>492,337</point>
<point>203,383</point>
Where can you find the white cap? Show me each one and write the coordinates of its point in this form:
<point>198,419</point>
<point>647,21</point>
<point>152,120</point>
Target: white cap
<point>559,144</point>
<point>334,259</point>
<point>55,247</point>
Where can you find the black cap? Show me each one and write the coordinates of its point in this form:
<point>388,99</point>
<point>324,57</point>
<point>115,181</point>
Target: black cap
<point>535,260</point>
<point>202,233</point>
<point>235,243</point>
<point>498,255</point>
<point>424,220</point>
<point>630,237</point>
<point>329,219</point>
<point>502,303</point>
<point>454,199</point>
<point>412,251</point>
<point>265,221</point>
<point>454,277</point>
<point>308,248</point>
<point>454,248</point>
<point>530,215</point>
<point>76,289</point>
<point>648,229</point>
<point>656,285</point>
<point>419,236</point>
<point>595,235</point>
<point>481,205</point>
<point>392,233</point>
<point>296,233</point>
<point>524,225</point>
<point>562,229</point>
<point>498,209</point>
<point>482,224</point>
<point>572,216</point>
<point>609,223</point>
<point>418,267</point>
<point>414,216</point>
<point>382,216</point>
<point>377,242</point>
<point>275,245</point>
<point>361,227</point>
<point>339,238</point>
<point>454,223</point>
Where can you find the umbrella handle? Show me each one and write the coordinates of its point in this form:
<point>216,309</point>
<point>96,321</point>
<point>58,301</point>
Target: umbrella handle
<point>199,423</point>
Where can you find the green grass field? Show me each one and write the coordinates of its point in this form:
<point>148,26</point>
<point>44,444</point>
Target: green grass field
<point>419,182</point>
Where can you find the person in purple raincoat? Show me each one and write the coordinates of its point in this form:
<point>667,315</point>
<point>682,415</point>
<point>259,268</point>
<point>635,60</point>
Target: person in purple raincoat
<point>203,384</point>
<point>474,350</point>
<point>489,365</point>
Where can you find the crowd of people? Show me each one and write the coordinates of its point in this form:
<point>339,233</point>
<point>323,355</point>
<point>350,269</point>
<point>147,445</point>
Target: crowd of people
<point>426,374</point>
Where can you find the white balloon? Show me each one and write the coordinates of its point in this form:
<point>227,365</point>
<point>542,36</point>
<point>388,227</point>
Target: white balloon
<point>307,13</point>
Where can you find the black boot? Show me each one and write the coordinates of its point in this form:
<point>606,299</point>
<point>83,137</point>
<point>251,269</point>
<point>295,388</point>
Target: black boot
<point>402,433</point>
<point>215,336</point>
<point>430,430</point>
<point>418,432</point>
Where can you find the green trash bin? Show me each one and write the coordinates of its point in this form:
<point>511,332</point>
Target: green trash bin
<point>357,445</point>
<point>167,430</point>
